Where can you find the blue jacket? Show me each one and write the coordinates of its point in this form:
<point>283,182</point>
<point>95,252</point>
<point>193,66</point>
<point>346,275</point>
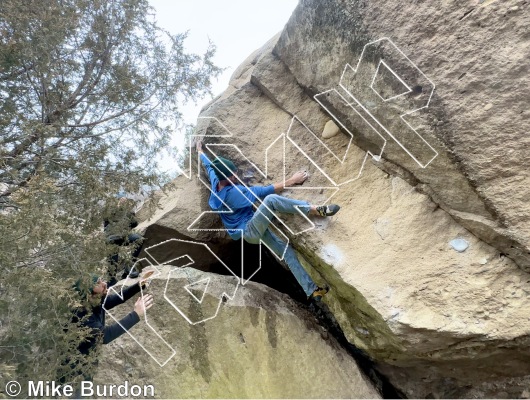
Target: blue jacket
<point>236,198</point>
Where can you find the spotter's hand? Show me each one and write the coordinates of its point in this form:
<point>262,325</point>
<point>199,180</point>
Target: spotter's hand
<point>143,304</point>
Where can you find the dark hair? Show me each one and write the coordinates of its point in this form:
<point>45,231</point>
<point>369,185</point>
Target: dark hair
<point>223,167</point>
<point>85,285</point>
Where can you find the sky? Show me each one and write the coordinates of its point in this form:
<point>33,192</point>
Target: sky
<point>236,27</point>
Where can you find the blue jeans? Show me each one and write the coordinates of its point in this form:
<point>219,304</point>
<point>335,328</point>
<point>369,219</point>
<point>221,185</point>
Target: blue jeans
<point>258,229</point>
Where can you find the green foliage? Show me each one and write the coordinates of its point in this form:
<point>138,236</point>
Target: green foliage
<point>89,95</point>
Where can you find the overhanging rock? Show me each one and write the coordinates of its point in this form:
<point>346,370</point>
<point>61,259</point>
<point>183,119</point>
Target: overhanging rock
<point>441,322</point>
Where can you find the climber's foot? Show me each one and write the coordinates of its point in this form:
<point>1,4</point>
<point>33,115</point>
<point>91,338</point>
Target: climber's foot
<point>327,211</point>
<point>319,293</point>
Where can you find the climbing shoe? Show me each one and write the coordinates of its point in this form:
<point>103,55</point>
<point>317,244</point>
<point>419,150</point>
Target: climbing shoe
<point>328,211</point>
<point>127,273</point>
<point>319,293</point>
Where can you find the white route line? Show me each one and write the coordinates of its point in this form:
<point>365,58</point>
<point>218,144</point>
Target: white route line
<point>187,287</point>
<point>112,290</point>
<point>346,129</point>
<point>211,147</point>
<point>402,116</point>
<point>335,187</point>
<point>191,262</point>
<point>409,90</point>
<point>277,216</point>
<point>229,211</point>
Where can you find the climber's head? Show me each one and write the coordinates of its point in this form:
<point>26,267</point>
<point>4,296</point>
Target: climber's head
<point>224,169</point>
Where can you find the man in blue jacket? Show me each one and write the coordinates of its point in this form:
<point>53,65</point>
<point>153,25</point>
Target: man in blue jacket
<point>235,206</point>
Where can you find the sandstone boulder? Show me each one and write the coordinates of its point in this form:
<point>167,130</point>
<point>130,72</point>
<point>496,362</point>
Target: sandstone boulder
<point>438,321</point>
<point>477,118</point>
<point>261,344</point>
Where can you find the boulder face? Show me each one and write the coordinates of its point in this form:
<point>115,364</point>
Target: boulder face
<point>476,54</point>
<point>440,320</point>
<point>261,344</point>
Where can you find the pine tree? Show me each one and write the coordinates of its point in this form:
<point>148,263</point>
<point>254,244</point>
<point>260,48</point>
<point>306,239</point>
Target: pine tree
<point>89,95</point>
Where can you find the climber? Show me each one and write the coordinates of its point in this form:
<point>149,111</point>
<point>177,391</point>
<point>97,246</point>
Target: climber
<point>90,314</point>
<point>118,232</point>
<point>254,226</point>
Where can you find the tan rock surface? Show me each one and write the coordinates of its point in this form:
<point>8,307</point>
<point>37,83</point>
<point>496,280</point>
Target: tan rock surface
<point>476,53</point>
<point>441,323</point>
<point>260,345</point>
<point>173,218</point>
